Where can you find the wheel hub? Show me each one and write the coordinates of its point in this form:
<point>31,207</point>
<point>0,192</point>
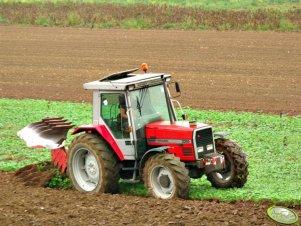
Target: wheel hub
<point>91,167</point>
<point>164,181</point>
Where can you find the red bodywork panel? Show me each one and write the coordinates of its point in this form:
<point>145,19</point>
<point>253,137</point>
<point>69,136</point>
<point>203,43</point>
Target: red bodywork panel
<point>103,132</point>
<point>178,136</point>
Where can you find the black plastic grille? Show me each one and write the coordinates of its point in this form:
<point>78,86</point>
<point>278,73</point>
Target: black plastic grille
<point>187,151</point>
<point>202,139</point>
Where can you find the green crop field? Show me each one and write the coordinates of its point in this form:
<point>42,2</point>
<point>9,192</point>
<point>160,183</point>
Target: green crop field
<point>272,143</point>
<point>205,4</point>
<point>241,15</point>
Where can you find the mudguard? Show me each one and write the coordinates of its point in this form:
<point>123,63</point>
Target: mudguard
<point>148,154</point>
<point>103,131</point>
<point>221,134</point>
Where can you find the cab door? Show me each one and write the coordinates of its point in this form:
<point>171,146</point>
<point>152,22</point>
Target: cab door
<point>113,113</point>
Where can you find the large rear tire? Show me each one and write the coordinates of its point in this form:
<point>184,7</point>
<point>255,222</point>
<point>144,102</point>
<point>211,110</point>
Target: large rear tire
<point>166,177</point>
<point>92,165</point>
<point>236,171</point>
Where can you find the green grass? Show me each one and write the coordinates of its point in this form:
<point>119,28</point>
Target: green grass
<point>205,4</point>
<point>272,143</point>
<point>273,146</point>
<point>16,114</point>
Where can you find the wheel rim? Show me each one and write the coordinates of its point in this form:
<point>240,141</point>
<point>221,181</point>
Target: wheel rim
<point>162,182</point>
<point>226,174</point>
<point>223,176</point>
<point>85,169</point>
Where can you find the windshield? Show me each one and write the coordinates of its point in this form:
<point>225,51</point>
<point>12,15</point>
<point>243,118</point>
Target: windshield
<point>149,105</point>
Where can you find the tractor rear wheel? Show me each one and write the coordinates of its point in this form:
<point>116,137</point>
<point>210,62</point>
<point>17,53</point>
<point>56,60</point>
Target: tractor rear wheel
<point>92,166</point>
<point>166,177</point>
<point>236,170</point>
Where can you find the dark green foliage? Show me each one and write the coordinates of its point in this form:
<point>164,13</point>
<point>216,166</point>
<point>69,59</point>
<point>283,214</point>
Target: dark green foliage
<point>143,16</point>
<point>60,181</point>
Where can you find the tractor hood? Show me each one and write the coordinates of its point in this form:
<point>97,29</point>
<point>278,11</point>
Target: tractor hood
<point>178,132</point>
<point>187,140</point>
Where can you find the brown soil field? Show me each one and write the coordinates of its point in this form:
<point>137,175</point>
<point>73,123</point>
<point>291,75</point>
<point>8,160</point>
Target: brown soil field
<point>31,204</point>
<point>240,71</point>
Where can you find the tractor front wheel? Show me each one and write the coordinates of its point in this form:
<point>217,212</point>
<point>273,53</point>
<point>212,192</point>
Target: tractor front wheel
<point>166,177</point>
<point>236,166</point>
<point>92,166</point>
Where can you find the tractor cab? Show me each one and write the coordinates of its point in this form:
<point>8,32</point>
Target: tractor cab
<point>138,111</point>
<point>126,103</point>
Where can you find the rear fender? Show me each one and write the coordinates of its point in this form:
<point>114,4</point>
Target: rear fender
<point>104,133</point>
<point>149,153</point>
<point>221,134</point>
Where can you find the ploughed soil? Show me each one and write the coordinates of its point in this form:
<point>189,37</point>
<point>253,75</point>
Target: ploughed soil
<point>23,203</point>
<point>241,71</point>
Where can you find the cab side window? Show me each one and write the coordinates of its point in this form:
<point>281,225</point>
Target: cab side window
<point>113,107</point>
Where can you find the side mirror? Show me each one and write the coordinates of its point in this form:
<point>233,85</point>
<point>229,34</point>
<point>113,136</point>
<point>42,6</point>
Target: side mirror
<point>184,117</point>
<point>178,89</point>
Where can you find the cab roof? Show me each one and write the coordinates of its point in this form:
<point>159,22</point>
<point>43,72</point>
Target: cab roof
<point>124,79</point>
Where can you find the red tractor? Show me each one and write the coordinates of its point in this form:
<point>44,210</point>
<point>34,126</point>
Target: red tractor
<point>135,135</point>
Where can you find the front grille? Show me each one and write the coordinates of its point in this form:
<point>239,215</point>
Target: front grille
<point>202,139</point>
<point>187,151</point>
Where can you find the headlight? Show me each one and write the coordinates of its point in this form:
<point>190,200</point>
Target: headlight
<point>200,149</point>
<point>209,147</point>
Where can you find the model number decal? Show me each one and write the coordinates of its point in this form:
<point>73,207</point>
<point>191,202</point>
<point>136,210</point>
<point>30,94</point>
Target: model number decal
<point>170,141</point>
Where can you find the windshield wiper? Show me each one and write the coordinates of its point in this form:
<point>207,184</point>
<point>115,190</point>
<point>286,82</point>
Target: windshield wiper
<point>138,105</point>
<point>141,101</point>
